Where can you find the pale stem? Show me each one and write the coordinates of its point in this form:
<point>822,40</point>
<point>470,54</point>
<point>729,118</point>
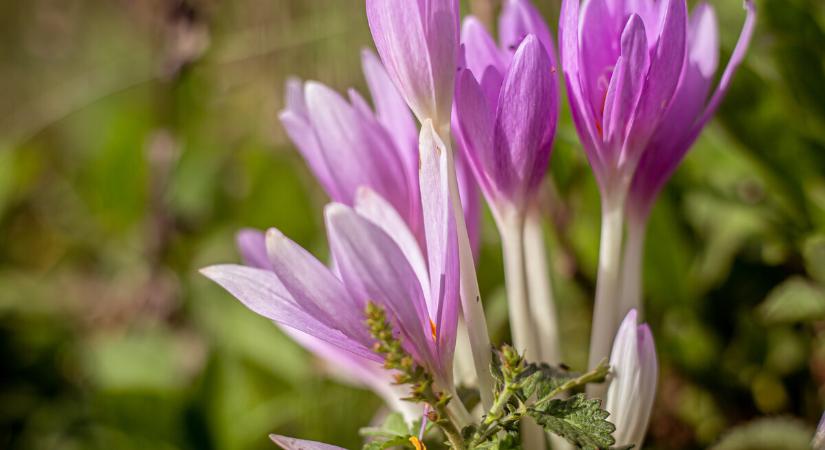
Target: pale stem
<point>471,305</point>
<point>632,269</point>
<point>458,412</point>
<point>540,289</point>
<point>607,287</point>
<point>522,327</point>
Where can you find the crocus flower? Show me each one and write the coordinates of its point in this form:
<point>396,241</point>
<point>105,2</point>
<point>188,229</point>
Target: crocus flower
<point>378,260</point>
<point>507,107</point>
<point>690,109</point>
<point>342,364</point>
<point>418,42</point>
<point>622,61</point>
<point>506,126</point>
<point>632,389</point>
<point>347,146</point>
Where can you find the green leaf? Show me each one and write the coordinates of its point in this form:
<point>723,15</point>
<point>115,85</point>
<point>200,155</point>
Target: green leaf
<point>768,434</point>
<point>502,441</point>
<point>813,250</point>
<point>393,426</point>
<point>542,379</point>
<point>795,300</point>
<point>398,441</point>
<point>581,421</point>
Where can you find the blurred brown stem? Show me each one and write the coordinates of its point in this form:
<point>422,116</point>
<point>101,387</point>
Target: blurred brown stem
<point>484,10</point>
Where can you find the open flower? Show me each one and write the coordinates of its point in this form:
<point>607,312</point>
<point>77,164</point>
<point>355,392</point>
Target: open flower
<point>633,387</point>
<point>347,145</point>
<point>622,61</point>
<point>377,259</point>
<point>691,109</point>
<point>418,42</point>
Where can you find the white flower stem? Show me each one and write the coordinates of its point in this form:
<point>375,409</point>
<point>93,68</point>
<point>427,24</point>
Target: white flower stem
<point>522,327</point>
<point>540,289</point>
<point>471,305</point>
<point>632,269</point>
<point>607,286</point>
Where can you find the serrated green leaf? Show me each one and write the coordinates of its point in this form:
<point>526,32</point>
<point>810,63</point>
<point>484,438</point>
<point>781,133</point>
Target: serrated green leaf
<point>795,300</point>
<point>581,421</point>
<point>502,441</point>
<point>542,379</point>
<point>378,444</point>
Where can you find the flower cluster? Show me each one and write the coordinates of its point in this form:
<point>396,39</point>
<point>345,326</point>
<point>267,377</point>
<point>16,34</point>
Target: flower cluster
<point>457,112</point>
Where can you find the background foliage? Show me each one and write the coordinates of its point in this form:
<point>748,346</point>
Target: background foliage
<point>136,136</point>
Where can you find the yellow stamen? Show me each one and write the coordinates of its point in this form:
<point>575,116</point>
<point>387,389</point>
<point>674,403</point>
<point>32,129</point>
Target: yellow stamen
<point>433,329</point>
<point>417,443</point>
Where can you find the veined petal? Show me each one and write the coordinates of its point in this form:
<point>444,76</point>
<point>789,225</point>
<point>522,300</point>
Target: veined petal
<point>480,50</point>
<point>526,117</point>
<point>262,292</point>
<point>372,206</point>
<point>599,34</point>
<point>673,138</point>
<point>303,136</point>
<point>252,245</point>
<point>370,157</point>
<point>626,82</point>
<point>520,18</point>
<point>665,70</point>
<point>295,101</point>
<point>475,126</point>
<point>727,76</point>
<point>391,110</point>
<point>288,443</point>
<point>442,245</point>
<point>583,117</point>
<point>315,288</point>
<point>418,43</point>
<point>374,269</point>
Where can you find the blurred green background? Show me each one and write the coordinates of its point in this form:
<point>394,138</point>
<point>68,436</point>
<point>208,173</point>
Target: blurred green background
<point>136,137</point>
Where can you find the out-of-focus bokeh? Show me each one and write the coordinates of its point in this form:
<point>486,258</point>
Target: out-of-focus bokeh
<point>137,136</point>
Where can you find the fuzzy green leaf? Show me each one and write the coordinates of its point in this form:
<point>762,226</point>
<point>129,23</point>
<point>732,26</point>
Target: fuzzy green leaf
<point>581,421</point>
<point>542,379</point>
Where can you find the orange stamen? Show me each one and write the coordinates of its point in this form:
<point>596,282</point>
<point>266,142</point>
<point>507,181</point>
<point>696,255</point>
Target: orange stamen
<point>417,443</point>
<point>433,330</point>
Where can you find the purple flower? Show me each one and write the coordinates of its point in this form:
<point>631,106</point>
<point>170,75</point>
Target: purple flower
<point>507,109</point>
<point>690,110</point>
<point>343,365</point>
<point>632,390</point>
<point>377,259</point>
<point>418,42</point>
<point>347,146</point>
<point>622,61</point>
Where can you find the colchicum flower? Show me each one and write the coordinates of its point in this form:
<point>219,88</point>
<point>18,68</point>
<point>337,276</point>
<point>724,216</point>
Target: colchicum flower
<point>347,146</point>
<point>633,387</point>
<point>637,77</point>
<point>377,259</point>
<point>506,126</point>
<point>418,43</point>
<point>691,108</point>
